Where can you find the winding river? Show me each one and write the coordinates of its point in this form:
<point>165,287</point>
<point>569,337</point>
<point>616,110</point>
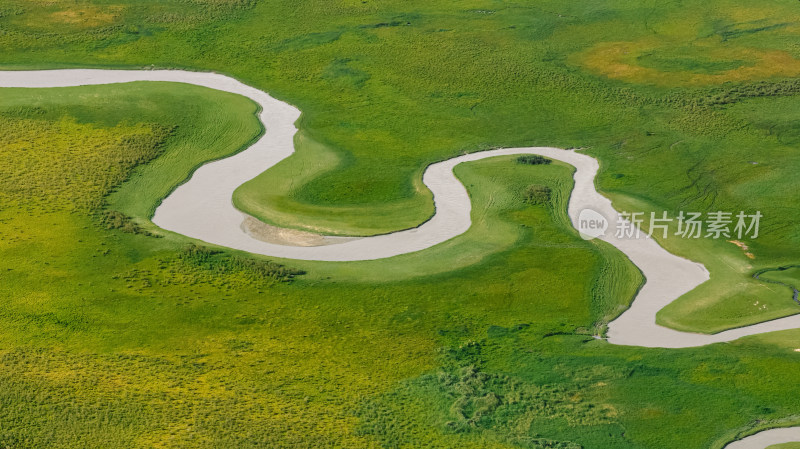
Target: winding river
<point>202,209</point>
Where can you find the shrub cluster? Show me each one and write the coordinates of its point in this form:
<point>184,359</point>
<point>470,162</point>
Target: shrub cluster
<point>537,194</point>
<point>473,400</point>
<point>112,219</point>
<point>754,90</point>
<point>220,262</point>
<point>533,159</point>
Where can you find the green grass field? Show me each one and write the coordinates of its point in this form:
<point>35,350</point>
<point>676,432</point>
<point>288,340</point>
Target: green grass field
<point>116,334</point>
<point>130,340</point>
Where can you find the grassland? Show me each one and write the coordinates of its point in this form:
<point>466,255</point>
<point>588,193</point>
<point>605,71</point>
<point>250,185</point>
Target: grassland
<point>124,339</point>
<point>386,90</point>
<point>130,340</point>
<point>786,276</point>
<point>275,197</point>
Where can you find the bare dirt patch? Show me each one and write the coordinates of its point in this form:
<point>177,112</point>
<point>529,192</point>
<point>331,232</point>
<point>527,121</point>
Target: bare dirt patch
<point>88,17</point>
<point>618,60</point>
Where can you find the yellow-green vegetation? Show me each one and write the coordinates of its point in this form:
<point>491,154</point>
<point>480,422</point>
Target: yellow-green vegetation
<point>201,133</point>
<point>129,340</point>
<point>700,119</point>
<point>46,151</point>
<point>692,64</point>
<point>116,334</point>
<point>389,88</point>
<point>698,44</point>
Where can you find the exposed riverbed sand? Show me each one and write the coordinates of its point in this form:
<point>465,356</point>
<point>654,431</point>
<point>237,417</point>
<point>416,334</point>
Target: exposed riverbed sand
<point>767,438</point>
<point>292,237</point>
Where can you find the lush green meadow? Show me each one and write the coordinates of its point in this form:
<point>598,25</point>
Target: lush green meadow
<point>116,334</point>
<point>125,339</point>
<point>690,107</point>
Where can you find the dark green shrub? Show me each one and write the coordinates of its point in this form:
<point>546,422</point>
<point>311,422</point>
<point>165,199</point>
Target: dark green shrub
<point>197,254</point>
<point>533,159</point>
<point>112,219</point>
<point>219,262</point>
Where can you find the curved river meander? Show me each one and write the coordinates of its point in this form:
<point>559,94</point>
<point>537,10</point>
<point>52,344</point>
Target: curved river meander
<point>202,208</point>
